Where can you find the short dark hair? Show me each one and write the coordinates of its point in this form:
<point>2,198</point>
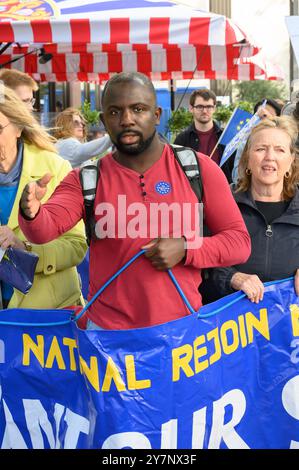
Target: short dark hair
<point>276,106</point>
<point>127,77</point>
<point>204,94</point>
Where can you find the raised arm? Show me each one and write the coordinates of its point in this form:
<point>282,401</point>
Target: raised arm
<point>76,152</point>
<point>32,195</point>
<point>42,223</point>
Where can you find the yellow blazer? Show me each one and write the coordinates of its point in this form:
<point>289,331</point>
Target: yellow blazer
<point>56,283</point>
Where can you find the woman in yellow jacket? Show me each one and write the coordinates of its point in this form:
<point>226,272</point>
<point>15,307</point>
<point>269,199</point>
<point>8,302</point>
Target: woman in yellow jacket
<point>27,152</point>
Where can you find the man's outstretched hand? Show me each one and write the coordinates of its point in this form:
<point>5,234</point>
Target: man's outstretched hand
<point>32,195</point>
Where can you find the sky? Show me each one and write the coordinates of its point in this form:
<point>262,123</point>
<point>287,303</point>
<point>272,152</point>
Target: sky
<point>265,21</point>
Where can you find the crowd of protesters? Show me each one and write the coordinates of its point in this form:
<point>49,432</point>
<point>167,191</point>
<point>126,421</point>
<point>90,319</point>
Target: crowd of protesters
<point>260,207</point>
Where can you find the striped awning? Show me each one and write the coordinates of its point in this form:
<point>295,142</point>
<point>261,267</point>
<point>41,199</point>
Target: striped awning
<point>161,41</point>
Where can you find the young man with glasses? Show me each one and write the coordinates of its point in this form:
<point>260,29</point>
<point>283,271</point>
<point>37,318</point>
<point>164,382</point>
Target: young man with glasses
<point>203,134</point>
<point>22,84</point>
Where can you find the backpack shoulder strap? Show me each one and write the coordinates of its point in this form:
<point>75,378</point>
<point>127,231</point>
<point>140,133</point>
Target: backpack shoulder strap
<point>187,158</point>
<point>89,175</point>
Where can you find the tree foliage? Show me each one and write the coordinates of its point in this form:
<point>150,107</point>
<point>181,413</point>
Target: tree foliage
<point>180,119</point>
<point>91,116</point>
<point>257,90</point>
<point>222,113</point>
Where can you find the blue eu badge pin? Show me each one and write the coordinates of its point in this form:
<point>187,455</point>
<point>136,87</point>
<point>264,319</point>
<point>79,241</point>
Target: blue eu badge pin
<point>162,187</point>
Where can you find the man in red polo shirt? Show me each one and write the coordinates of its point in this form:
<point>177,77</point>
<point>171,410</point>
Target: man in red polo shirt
<point>140,175</point>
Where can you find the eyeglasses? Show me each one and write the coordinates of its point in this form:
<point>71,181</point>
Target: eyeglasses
<point>3,127</point>
<point>78,124</point>
<point>200,107</point>
<point>30,101</point>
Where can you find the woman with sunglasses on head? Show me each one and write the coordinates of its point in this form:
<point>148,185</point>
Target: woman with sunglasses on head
<point>27,152</point>
<point>70,132</point>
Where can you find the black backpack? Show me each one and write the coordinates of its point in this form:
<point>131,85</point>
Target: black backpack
<point>89,176</point>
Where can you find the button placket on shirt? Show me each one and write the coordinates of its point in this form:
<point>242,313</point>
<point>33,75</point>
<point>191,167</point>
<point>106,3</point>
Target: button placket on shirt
<point>142,185</point>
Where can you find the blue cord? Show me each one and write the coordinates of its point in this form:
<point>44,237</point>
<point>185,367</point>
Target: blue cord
<point>194,312</point>
<point>76,318</point>
<point>269,283</point>
<point>177,286</point>
<point>181,293</point>
<point>172,277</point>
<point>240,296</point>
<point>35,324</point>
<point>125,266</point>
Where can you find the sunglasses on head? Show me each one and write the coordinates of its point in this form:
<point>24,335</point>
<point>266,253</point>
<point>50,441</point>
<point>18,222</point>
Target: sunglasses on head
<point>78,124</point>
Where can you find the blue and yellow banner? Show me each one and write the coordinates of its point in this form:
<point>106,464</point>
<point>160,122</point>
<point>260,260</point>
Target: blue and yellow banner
<point>230,380</point>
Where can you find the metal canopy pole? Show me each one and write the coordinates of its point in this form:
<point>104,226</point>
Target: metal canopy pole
<point>52,97</point>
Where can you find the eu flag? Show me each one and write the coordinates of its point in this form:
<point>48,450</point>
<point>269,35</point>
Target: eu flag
<point>238,120</point>
<point>239,138</point>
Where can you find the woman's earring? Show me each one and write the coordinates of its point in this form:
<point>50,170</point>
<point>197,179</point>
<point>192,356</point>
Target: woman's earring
<point>248,171</point>
<point>287,175</point>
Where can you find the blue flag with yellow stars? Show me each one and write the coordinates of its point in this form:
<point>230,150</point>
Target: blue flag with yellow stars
<point>239,138</point>
<point>237,121</point>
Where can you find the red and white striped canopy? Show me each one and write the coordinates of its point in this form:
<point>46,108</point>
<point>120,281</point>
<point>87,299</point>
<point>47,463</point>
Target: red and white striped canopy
<point>162,42</point>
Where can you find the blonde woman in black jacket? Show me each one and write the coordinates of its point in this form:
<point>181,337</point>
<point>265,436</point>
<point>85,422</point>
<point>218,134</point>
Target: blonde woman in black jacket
<point>268,198</point>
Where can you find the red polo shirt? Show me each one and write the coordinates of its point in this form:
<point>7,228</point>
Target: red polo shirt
<point>142,296</point>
